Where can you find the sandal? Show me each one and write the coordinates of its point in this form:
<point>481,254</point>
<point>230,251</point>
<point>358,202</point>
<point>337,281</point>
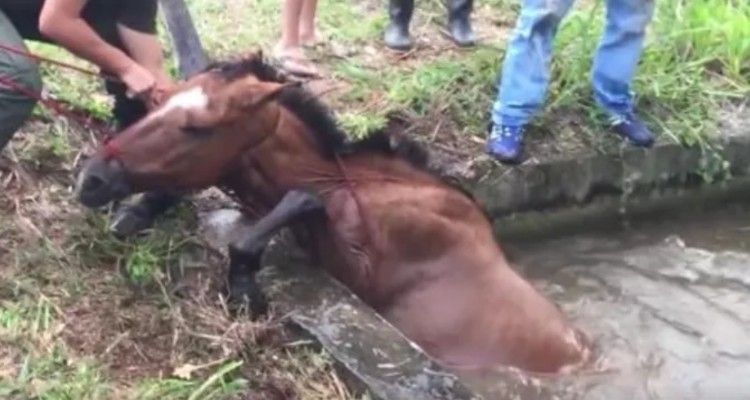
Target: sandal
<point>298,66</point>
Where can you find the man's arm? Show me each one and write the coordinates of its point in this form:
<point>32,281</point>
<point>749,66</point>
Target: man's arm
<point>61,21</point>
<point>146,50</point>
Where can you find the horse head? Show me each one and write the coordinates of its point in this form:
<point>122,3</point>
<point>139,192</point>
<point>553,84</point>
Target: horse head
<point>190,140</point>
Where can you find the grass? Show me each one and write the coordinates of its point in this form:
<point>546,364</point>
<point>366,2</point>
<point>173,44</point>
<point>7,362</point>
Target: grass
<point>696,60</point>
<point>46,369</point>
<point>85,316</point>
<point>220,384</point>
<point>695,63</point>
<point>43,367</point>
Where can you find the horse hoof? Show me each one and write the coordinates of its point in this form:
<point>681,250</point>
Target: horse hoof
<point>130,221</point>
<point>247,299</point>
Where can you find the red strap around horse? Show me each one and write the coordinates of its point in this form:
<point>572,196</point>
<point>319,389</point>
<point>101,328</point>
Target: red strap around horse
<point>369,229</point>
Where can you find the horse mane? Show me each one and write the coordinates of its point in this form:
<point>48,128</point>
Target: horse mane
<point>330,139</point>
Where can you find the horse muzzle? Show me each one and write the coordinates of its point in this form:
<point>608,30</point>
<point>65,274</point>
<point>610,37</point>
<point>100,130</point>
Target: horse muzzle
<point>100,182</point>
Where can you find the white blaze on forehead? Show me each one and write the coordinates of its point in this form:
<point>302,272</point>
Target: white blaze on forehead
<point>191,99</point>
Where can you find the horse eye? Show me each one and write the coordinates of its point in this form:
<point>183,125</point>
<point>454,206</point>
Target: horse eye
<point>195,131</point>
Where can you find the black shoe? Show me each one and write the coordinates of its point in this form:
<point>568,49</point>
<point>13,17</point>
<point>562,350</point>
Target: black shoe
<point>396,34</point>
<point>137,217</point>
<point>630,127</point>
<point>459,24</point>
<point>397,37</point>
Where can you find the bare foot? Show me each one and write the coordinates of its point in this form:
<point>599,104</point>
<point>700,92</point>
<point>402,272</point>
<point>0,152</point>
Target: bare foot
<point>294,61</point>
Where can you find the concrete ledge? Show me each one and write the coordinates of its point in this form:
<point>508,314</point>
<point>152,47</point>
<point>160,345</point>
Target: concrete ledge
<point>605,188</point>
<point>607,214</point>
<point>567,183</point>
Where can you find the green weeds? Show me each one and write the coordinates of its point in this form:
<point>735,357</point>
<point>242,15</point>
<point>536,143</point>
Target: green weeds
<point>43,367</point>
<point>696,60</point>
<point>220,385</point>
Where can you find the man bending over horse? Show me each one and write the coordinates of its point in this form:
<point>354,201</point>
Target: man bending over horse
<point>118,36</point>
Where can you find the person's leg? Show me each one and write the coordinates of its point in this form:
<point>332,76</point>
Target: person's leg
<point>397,33</point>
<point>290,23</point>
<point>615,64</point>
<point>289,50</point>
<point>459,22</point>
<point>15,108</point>
<point>308,34</point>
<point>525,75</point>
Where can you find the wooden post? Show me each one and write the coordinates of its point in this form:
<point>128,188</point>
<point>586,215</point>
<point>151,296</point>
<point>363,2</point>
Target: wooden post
<point>191,58</point>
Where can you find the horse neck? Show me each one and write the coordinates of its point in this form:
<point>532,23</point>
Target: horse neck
<point>296,155</point>
<point>288,159</point>
<point>291,159</point>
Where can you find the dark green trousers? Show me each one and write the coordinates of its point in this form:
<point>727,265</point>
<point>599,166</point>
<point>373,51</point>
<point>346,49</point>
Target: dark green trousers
<point>15,108</point>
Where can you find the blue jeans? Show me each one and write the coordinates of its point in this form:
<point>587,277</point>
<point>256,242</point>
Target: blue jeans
<point>525,73</point>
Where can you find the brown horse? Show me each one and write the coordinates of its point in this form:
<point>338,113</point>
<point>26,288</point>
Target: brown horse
<point>418,250</point>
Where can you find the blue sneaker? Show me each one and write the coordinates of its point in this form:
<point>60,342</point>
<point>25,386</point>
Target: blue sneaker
<point>506,143</point>
<point>630,127</point>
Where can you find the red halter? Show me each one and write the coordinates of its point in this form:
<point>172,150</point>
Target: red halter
<point>110,150</point>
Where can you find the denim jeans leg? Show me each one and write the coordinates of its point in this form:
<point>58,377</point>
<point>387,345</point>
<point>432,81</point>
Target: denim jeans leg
<point>618,54</point>
<point>525,72</point>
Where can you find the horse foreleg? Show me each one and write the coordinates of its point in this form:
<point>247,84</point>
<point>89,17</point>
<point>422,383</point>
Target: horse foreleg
<point>245,254</point>
<point>243,287</point>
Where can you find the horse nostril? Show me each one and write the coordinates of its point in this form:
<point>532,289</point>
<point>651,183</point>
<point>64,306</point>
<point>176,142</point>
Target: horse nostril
<point>92,183</point>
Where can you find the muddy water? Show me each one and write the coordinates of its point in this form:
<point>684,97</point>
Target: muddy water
<point>667,304</point>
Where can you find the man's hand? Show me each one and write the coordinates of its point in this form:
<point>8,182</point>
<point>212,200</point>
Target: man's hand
<point>163,88</point>
<point>138,80</point>
<point>158,95</point>
<point>146,50</point>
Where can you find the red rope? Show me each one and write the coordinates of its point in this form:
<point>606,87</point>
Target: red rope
<point>360,208</point>
<point>39,58</point>
<point>54,105</point>
<point>109,148</point>
<point>51,104</point>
